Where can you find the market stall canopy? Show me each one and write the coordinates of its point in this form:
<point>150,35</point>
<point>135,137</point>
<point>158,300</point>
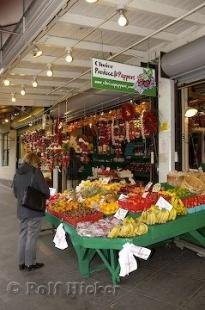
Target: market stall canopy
<point>91,31</point>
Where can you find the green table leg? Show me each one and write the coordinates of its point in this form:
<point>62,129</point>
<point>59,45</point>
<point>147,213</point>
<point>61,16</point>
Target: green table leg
<point>198,237</point>
<point>110,265</point>
<point>85,256</point>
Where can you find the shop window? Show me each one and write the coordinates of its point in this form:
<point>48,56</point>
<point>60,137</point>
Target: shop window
<point>5,149</point>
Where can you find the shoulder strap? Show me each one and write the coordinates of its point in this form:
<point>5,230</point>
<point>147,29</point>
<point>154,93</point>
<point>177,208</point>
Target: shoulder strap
<point>33,175</point>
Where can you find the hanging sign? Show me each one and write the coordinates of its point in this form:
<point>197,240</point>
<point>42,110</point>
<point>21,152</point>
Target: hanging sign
<point>125,78</point>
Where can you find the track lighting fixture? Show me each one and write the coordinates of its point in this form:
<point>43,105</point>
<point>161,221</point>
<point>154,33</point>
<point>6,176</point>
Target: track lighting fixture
<point>37,52</point>
<point>6,82</point>
<point>190,112</point>
<point>122,19</point>
<point>49,71</point>
<point>35,83</point>
<point>23,92</point>
<point>91,1</point>
<point>13,98</point>
<point>69,57</point>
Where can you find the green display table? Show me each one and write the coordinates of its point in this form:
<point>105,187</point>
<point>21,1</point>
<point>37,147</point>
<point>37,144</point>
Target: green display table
<point>187,227</point>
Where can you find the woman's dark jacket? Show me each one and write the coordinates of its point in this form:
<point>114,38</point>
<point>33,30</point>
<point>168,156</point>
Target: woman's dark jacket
<point>73,168</point>
<point>21,181</point>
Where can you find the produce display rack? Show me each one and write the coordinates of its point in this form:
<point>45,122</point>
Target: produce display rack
<point>188,227</point>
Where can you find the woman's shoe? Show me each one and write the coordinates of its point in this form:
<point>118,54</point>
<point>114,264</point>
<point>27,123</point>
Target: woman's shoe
<point>33,267</point>
<point>22,267</point>
<point>38,265</point>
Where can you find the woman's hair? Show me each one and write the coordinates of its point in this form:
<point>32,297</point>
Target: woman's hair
<point>72,152</point>
<point>32,159</point>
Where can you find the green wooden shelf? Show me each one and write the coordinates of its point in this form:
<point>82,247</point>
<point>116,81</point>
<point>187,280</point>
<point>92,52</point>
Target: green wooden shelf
<point>188,226</point>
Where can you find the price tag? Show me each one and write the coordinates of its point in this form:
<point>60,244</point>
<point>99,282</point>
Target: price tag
<point>80,199</point>
<point>120,214</point>
<point>156,188</point>
<point>144,195</point>
<point>141,252</point>
<point>106,180</point>
<point>163,204</point>
<point>147,187</point>
<point>52,191</point>
<point>122,197</point>
<point>132,181</point>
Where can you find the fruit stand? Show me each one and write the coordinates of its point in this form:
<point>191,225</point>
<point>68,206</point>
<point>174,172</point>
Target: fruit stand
<point>155,214</point>
<point>86,248</point>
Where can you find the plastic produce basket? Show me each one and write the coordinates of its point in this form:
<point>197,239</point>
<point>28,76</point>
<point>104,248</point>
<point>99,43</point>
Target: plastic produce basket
<point>88,218</point>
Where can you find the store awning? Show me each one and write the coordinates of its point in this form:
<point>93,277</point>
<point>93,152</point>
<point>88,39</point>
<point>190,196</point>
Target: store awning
<point>187,63</point>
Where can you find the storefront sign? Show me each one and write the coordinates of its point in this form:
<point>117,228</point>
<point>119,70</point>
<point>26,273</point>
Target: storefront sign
<point>125,78</point>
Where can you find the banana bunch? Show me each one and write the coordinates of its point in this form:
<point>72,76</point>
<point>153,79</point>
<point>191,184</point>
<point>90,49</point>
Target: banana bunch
<point>129,228</point>
<point>149,217</point>
<point>162,216</point>
<point>172,214</point>
<point>178,206</point>
<point>155,215</point>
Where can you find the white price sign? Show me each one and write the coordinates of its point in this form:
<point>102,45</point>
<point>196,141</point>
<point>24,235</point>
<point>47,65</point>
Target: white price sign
<point>52,191</point>
<point>132,181</point>
<point>147,187</point>
<point>122,197</point>
<point>163,204</point>
<point>144,195</point>
<point>120,214</point>
<point>105,180</point>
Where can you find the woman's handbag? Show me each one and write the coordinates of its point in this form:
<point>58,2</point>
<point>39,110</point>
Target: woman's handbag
<point>33,198</point>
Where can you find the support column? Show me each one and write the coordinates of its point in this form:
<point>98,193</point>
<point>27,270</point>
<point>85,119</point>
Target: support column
<point>166,128</point>
<point>185,130</point>
<point>55,179</point>
<point>64,179</point>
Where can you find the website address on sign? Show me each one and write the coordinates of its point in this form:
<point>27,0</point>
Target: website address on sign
<point>114,85</point>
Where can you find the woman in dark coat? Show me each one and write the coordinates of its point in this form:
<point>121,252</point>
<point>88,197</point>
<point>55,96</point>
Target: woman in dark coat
<point>73,169</point>
<point>30,220</point>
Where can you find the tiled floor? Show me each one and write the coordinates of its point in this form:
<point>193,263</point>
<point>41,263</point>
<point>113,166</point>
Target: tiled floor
<point>172,279</point>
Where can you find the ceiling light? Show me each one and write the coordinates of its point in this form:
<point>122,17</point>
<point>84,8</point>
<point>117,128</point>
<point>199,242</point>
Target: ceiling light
<point>91,1</point>
<point>6,82</point>
<point>23,92</point>
<point>191,112</point>
<point>6,120</point>
<point>37,52</point>
<point>30,124</point>
<point>69,57</point>
<point>49,71</point>
<point>35,83</point>
<point>1,70</point>
<point>122,20</point>
<point>13,98</point>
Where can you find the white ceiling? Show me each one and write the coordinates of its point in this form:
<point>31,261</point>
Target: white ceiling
<point>91,30</point>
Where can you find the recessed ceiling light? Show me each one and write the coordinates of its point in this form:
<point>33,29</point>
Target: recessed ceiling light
<point>6,120</point>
